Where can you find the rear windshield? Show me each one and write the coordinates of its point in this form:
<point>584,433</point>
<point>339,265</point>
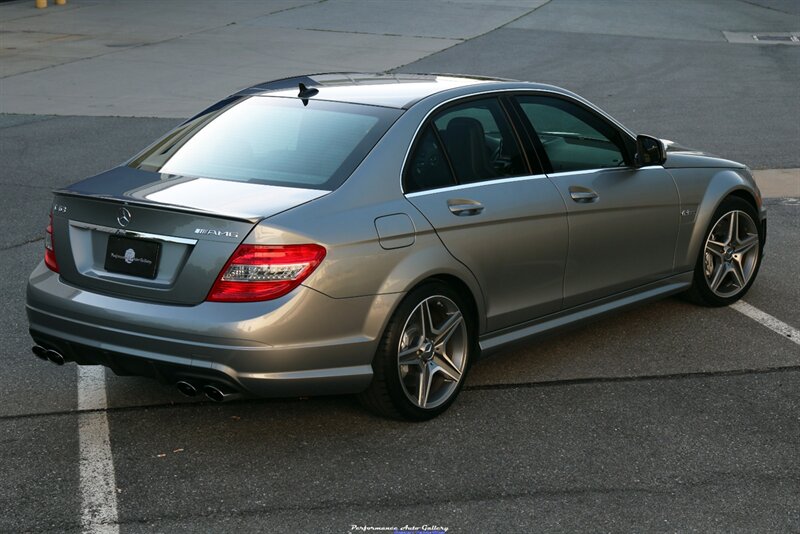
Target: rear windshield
<point>270,140</point>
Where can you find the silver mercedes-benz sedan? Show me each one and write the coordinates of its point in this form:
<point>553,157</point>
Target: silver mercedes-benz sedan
<point>375,234</point>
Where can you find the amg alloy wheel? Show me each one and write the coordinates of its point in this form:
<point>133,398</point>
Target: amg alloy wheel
<point>424,355</point>
<point>432,352</point>
<point>731,255</point>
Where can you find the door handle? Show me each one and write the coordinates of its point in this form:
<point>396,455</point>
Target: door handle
<point>583,195</point>
<point>464,207</point>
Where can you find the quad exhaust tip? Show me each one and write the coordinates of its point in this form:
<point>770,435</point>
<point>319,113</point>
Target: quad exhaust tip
<point>39,352</point>
<point>214,393</point>
<point>45,354</point>
<point>186,388</point>
<point>55,357</point>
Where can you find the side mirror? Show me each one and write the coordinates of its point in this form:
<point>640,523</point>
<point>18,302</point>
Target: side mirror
<point>649,151</point>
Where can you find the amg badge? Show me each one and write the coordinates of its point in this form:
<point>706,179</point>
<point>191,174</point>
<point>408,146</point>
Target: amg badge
<point>220,233</point>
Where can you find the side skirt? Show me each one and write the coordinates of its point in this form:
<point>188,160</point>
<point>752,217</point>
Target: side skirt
<point>493,341</point>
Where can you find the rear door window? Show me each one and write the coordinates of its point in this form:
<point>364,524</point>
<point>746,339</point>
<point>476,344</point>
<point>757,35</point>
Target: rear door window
<point>428,167</point>
<point>479,141</point>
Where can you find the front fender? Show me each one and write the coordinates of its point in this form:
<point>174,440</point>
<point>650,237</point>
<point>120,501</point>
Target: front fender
<point>702,191</point>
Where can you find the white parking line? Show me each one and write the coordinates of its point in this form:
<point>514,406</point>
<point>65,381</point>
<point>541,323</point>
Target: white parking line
<point>776,325</point>
<point>97,480</point>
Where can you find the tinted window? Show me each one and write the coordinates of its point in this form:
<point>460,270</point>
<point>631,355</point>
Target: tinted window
<point>272,140</point>
<point>479,141</point>
<point>573,138</point>
<point>428,168</point>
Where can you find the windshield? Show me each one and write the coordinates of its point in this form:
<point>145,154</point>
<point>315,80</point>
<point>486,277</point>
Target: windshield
<point>278,141</point>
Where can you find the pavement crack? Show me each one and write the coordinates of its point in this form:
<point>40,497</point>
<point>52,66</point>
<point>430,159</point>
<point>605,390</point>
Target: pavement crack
<point>483,387</point>
<point>637,378</point>
<point>292,8</point>
<point>167,40</point>
<point>463,41</point>
<point>15,119</point>
<point>771,8</point>
<point>17,245</point>
<point>31,186</point>
<point>354,32</point>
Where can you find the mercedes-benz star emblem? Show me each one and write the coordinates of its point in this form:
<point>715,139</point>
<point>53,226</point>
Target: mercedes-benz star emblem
<point>124,217</point>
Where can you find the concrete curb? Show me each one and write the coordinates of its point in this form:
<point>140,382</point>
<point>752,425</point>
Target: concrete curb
<point>776,183</point>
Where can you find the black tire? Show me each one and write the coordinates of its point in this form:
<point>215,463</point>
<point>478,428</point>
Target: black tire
<point>701,292</point>
<point>386,395</point>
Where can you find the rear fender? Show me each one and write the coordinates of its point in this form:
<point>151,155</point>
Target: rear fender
<point>356,263</point>
<point>431,259</point>
<point>393,271</point>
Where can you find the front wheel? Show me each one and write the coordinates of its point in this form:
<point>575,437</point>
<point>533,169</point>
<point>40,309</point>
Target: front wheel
<point>422,361</point>
<point>730,257</point>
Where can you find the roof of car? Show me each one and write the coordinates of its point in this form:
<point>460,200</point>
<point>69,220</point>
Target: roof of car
<point>382,89</point>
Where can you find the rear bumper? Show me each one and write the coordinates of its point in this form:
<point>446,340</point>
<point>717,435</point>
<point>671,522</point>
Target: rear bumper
<point>305,343</point>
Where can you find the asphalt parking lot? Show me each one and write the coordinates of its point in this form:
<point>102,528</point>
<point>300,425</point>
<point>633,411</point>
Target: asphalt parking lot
<point>664,418</point>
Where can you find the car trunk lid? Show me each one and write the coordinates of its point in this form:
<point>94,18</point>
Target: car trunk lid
<point>163,238</point>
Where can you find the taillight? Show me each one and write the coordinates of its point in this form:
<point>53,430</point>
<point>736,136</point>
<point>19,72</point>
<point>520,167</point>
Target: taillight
<point>49,251</point>
<point>264,272</point>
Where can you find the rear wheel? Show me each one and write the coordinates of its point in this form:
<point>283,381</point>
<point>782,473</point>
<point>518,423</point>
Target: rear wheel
<point>730,257</point>
<point>422,361</point>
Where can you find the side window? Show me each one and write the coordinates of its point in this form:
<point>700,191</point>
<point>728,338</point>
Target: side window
<point>573,138</point>
<point>428,168</point>
<point>479,142</point>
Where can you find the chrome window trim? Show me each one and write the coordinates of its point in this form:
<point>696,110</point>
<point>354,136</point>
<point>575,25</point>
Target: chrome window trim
<point>132,234</point>
<point>523,178</point>
<point>476,184</point>
<point>424,120</point>
<point>584,171</point>
<point>598,169</point>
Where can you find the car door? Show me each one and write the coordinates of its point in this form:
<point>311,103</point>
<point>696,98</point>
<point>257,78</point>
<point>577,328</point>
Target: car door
<point>506,222</point>
<point>623,221</point>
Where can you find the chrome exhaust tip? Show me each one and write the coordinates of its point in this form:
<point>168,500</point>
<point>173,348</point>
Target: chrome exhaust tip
<point>186,388</point>
<point>55,357</point>
<point>214,393</point>
<point>39,352</point>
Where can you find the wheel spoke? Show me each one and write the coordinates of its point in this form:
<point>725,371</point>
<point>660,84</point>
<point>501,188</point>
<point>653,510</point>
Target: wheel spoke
<point>444,334</point>
<point>719,275</point>
<point>408,357</point>
<point>716,248</point>
<point>733,226</point>
<point>736,269</point>
<point>422,319</point>
<point>425,378</point>
<point>427,321</point>
<point>446,367</point>
<point>747,243</point>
